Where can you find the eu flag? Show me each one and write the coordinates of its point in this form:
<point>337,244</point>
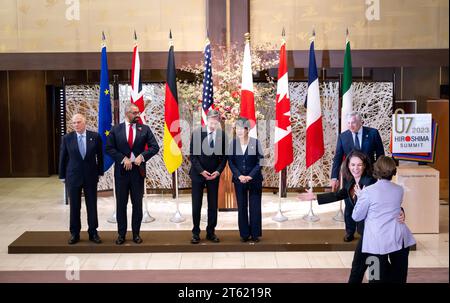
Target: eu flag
<point>104,109</point>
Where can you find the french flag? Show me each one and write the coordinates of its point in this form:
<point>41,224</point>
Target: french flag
<point>314,131</point>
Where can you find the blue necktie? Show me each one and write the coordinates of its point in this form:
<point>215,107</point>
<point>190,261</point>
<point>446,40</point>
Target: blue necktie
<point>357,145</point>
<point>81,146</point>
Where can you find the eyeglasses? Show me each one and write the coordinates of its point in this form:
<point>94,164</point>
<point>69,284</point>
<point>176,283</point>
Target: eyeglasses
<point>135,113</point>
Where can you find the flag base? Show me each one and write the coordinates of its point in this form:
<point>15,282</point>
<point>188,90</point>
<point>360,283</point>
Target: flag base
<point>279,217</point>
<point>339,217</point>
<point>310,216</point>
<point>113,218</point>
<point>147,218</point>
<point>177,217</point>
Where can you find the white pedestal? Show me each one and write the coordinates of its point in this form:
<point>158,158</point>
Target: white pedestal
<point>421,198</point>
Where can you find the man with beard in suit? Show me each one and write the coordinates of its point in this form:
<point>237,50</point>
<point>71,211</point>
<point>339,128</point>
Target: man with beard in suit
<point>126,144</point>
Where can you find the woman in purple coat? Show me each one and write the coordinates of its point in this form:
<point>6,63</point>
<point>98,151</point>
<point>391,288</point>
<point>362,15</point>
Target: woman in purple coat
<point>386,240</point>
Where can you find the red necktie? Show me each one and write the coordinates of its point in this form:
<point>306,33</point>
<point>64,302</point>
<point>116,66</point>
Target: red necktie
<point>130,136</point>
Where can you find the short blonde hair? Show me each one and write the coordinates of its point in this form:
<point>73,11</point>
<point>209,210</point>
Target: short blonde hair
<point>384,168</point>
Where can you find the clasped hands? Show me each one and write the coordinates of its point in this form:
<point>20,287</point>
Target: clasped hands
<point>245,179</point>
<point>210,176</point>
<point>128,164</point>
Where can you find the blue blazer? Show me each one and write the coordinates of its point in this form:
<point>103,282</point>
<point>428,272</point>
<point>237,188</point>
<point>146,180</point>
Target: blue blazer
<point>117,146</point>
<point>371,145</point>
<point>248,163</point>
<point>72,167</point>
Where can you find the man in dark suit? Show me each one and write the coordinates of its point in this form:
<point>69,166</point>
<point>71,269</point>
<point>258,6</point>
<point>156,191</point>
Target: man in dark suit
<point>126,144</point>
<point>80,165</point>
<point>208,159</point>
<point>357,137</point>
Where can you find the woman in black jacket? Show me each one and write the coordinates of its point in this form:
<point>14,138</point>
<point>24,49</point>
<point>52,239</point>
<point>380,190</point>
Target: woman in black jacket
<point>357,171</point>
<point>244,156</point>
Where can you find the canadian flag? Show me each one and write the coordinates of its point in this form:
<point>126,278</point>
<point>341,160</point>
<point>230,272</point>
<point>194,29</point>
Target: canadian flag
<point>284,154</point>
<point>314,131</point>
<point>247,97</point>
<point>137,94</point>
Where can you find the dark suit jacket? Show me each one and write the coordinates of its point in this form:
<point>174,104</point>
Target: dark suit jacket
<point>245,164</point>
<point>117,146</point>
<point>203,157</point>
<point>73,167</point>
<point>344,193</point>
<point>371,145</point>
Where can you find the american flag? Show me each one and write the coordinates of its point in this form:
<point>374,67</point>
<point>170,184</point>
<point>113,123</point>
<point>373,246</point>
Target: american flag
<point>208,94</point>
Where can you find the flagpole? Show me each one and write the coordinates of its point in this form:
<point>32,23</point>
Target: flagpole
<point>146,218</point>
<point>310,216</point>
<point>113,218</point>
<point>339,217</point>
<point>177,217</point>
<point>279,217</point>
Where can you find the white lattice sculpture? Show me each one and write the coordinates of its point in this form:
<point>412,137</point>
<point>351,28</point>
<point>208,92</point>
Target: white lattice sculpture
<point>372,99</point>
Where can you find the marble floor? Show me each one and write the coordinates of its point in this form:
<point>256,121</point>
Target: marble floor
<point>37,204</point>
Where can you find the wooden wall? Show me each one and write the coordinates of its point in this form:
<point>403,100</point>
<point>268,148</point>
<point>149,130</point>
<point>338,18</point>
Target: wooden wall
<point>27,147</point>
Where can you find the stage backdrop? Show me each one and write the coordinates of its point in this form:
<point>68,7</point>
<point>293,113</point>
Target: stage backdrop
<point>372,99</point>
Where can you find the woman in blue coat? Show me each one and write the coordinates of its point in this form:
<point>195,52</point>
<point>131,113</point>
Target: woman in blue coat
<point>244,156</point>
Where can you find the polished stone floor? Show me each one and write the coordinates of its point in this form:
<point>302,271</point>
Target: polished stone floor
<point>37,204</point>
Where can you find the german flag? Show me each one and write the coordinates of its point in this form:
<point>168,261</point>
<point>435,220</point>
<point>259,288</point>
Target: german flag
<point>172,132</point>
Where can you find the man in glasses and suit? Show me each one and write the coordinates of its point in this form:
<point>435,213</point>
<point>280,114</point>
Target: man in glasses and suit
<point>126,144</point>
<point>80,165</point>
<point>208,159</point>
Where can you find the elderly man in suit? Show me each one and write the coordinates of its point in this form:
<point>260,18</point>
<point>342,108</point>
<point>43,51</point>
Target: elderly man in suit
<point>357,137</point>
<point>208,158</point>
<point>80,165</point>
<point>126,144</point>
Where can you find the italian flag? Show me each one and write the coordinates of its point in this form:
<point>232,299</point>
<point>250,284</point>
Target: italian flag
<point>347,87</point>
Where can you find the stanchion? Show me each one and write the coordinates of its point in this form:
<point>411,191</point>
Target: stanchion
<point>339,217</point>
<point>113,218</point>
<point>146,218</point>
<point>177,217</point>
<point>310,216</point>
<point>279,217</point>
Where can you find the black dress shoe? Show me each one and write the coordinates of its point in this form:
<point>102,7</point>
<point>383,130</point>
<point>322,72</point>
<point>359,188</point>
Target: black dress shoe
<point>243,240</point>
<point>74,239</point>
<point>213,238</point>
<point>137,239</point>
<point>255,239</point>
<point>120,240</point>
<point>195,239</point>
<point>348,238</point>
<point>95,238</point>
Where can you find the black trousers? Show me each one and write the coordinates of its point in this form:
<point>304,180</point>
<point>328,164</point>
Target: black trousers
<point>90,196</point>
<point>393,267</point>
<point>131,183</point>
<point>359,265</point>
<point>248,196</point>
<point>212,189</point>
<point>350,224</point>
